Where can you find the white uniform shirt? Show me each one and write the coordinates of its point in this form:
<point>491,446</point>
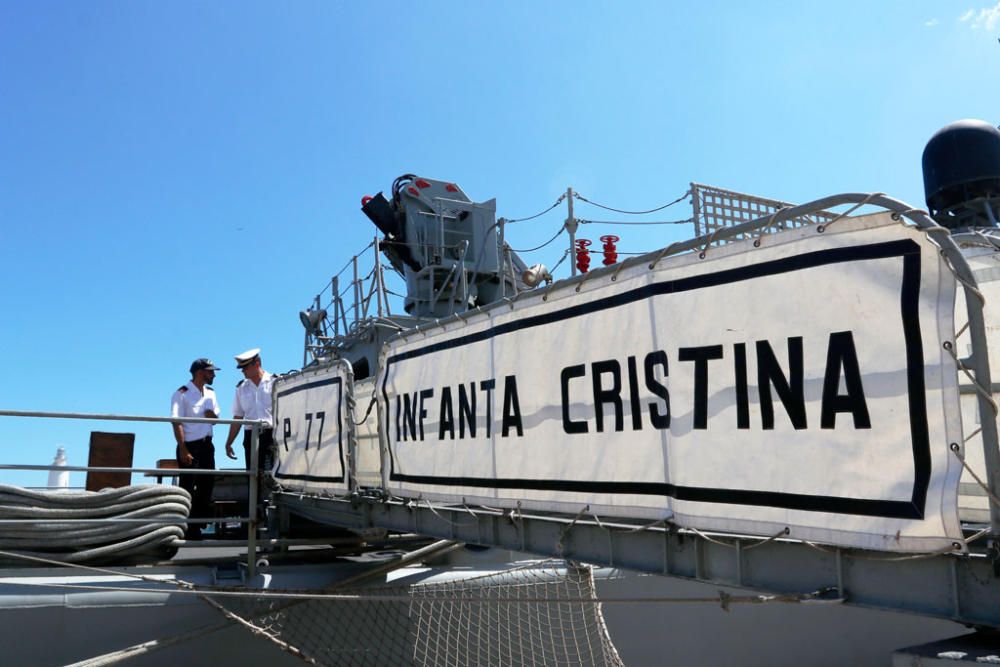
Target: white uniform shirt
<point>188,401</point>
<point>253,401</point>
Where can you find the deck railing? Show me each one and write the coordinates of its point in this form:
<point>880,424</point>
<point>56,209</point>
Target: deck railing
<point>251,473</point>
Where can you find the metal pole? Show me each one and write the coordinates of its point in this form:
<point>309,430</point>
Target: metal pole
<point>571,228</point>
<point>378,279</point>
<point>252,525</point>
<point>502,222</point>
<point>436,549</point>
<point>317,305</point>
<point>514,281</point>
<point>357,290</point>
<point>696,209</point>
<point>464,277</point>
<point>335,286</point>
<point>305,350</point>
<point>989,213</point>
<point>981,370</point>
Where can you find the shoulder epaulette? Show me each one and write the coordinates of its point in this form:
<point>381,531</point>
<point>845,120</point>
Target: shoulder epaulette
<point>240,383</point>
<point>184,388</point>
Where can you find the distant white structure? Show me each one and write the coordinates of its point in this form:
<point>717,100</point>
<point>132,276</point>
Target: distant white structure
<point>59,479</point>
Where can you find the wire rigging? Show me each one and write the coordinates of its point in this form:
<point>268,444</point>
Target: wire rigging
<point>538,215</point>
<point>561,260</point>
<point>618,210</point>
<point>561,230</point>
<point>636,222</point>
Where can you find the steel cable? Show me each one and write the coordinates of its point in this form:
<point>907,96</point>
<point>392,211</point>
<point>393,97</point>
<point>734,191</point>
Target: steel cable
<point>618,210</point>
<point>538,215</point>
<point>629,222</point>
<point>561,230</point>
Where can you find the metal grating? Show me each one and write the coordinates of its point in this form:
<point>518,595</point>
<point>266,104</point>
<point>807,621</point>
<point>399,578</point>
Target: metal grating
<point>715,208</point>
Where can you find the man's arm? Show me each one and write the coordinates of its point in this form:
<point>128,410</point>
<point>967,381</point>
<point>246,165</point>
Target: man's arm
<point>183,455</point>
<point>238,413</point>
<point>233,430</point>
<point>182,451</point>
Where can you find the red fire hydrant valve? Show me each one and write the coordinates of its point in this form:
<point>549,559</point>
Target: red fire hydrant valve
<point>610,251</point>
<point>582,255</point>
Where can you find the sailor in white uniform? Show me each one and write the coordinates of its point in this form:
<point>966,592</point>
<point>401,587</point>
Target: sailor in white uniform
<point>253,401</point>
<point>194,440</point>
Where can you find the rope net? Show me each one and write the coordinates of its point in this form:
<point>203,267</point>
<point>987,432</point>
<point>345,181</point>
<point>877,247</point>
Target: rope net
<point>536,615</point>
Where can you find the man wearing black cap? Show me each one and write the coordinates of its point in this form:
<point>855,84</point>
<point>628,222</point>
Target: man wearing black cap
<point>194,440</point>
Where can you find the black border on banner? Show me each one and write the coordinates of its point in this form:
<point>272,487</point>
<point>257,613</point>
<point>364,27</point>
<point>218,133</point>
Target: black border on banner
<point>339,381</point>
<point>907,250</point>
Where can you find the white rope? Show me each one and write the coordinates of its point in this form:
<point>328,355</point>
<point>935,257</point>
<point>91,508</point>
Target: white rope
<point>781,533</point>
<point>144,648</point>
<point>446,520</point>
<point>980,389</point>
<point>888,559</point>
<point>956,451</point>
<point>826,225</point>
<point>560,543</point>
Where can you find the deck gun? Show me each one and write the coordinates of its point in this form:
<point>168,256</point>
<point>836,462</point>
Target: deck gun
<point>446,246</point>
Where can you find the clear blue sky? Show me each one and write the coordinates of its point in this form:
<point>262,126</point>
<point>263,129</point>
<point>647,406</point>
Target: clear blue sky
<point>179,179</point>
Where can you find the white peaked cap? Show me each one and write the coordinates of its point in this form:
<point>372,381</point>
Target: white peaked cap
<point>245,358</point>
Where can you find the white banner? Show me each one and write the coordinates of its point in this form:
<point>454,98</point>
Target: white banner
<point>311,429</point>
<point>803,384</point>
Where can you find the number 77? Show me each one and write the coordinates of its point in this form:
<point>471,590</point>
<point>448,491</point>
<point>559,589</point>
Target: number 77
<point>321,416</point>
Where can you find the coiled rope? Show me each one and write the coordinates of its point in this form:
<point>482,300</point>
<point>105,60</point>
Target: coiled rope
<point>133,523</point>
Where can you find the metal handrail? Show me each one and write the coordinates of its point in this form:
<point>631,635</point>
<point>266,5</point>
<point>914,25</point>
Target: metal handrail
<point>143,521</point>
<point>129,418</point>
<point>251,473</point>
<point>163,472</point>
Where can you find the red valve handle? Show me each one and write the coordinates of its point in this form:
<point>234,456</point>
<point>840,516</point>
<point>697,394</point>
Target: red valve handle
<point>610,252</point>
<point>582,255</point>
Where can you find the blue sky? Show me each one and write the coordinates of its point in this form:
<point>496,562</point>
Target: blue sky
<point>179,179</point>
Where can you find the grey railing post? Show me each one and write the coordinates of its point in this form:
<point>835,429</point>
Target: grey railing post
<point>378,279</point>
<point>571,228</point>
<point>356,284</point>
<point>252,502</point>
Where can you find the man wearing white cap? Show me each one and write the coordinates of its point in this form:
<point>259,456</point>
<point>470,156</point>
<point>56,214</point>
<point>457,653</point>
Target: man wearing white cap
<point>194,440</point>
<point>253,401</point>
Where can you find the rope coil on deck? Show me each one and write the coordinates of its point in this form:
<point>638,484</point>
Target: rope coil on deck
<point>53,528</point>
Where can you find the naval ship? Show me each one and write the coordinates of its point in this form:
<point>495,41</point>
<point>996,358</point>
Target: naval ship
<point>773,443</point>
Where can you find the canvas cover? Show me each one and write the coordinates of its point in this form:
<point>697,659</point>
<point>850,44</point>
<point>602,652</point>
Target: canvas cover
<point>802,384</point>
<point>312,429</point>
